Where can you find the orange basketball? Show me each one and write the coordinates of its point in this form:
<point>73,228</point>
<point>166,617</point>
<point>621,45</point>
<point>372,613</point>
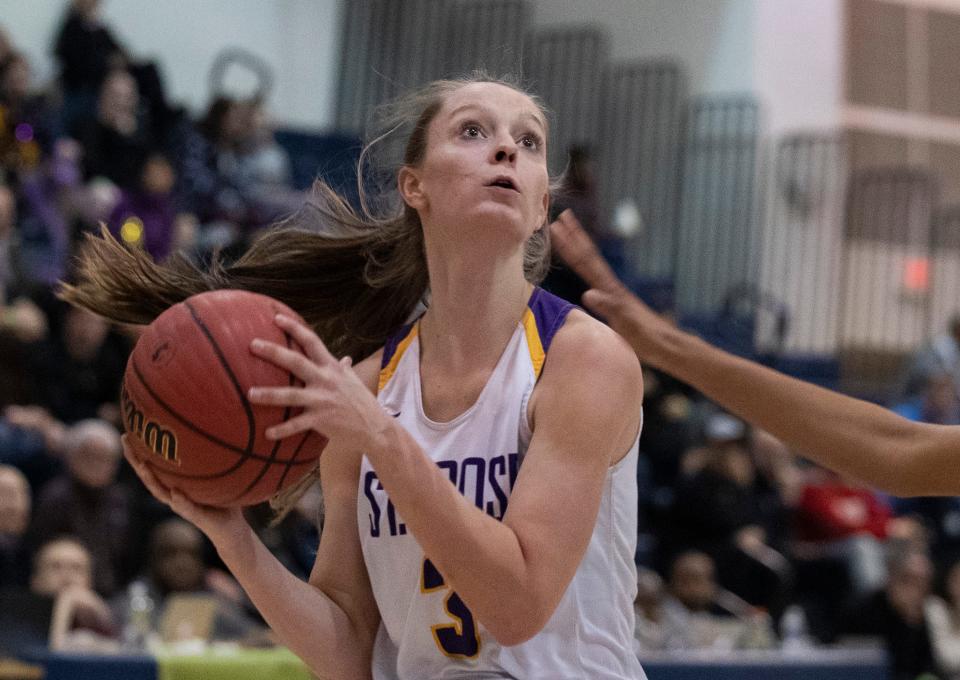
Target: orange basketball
<point>185,405</point>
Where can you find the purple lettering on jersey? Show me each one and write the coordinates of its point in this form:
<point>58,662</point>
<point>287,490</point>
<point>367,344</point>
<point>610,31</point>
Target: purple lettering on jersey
<point>368,482</point>
<point>396,528</point>
<point>480,466</point>
<point>497,468</point>
<point>451,467</point>
<point>486,483</point>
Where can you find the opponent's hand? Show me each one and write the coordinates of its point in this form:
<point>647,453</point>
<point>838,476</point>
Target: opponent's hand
<point>219,524</point>
<point>334,400</point>
<point>639,325</point>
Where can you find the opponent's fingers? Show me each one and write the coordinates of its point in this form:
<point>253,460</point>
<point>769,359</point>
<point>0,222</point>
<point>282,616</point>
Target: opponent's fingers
<point>287,358</point>
<point>346,362</point>
<point>601,302</point>
<point>295,425</point>
<point>579,251</point>
<point>310,341</point>
<point>281,396</point>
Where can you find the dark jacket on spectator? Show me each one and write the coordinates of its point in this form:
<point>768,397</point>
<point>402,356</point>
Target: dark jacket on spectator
<point>909,645</point>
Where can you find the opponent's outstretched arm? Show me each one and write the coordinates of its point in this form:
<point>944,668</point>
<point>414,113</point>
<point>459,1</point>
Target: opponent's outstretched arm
<point>851,436</point>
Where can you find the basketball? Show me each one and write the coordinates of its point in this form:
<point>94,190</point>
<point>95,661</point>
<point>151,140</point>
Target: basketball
<point>185,407</point>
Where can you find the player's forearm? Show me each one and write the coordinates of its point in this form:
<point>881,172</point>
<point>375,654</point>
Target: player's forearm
<point>852,436</point>
<point>479,557</point>
<point>309,622</point>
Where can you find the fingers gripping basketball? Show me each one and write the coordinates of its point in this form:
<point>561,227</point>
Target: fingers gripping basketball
<point>185,402</point>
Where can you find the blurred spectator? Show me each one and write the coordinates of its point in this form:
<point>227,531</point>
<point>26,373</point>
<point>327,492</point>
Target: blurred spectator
<point>8,220</point>
<point>86,502</point>
<point>6,46</point>
<point>176,567</point>
<point>895,615</point>
<point>14,518</point>
<point>648,611</point>
<point>578,192</point>
<point>719,508</point>
<point>697,613</point>
<point>63,570</point>
<point>942,613</point>
<point>80,368</point>
<point>202,189</point>
<point>779,468</point>
<point>841,520</point>
<point>145,217</point>
<point>936,403</point>
<point>86,51</point>
<point>668,425</point>
<point>940,516</point>
<point>50,207</point>
<point>32,441</point>
<point>23,320</point>
<point>940,357</point>
<point>26,119</point>
<point>22,323</point>
<point>197,176</point>
<point>117,141</point>
<point>295,538</point>
<point>257,167</point>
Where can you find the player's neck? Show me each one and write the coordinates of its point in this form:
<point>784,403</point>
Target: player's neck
<point>472,316</point>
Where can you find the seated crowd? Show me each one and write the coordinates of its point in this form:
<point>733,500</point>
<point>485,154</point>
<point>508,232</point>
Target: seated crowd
<point>741,541</point>
<point>104,146</point>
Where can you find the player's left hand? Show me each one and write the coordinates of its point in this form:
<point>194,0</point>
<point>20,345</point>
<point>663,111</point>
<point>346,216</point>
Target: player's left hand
<point>334,400</point>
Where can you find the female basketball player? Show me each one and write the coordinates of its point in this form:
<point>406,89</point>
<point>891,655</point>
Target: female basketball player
<point>479,482</point>
<point>851,436</point>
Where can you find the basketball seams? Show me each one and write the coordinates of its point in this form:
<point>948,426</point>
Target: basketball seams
<point>283,461</point>
<point>244,402</point>
<point>306,435</point>
<point>267,464</point>
<point>193,427</point>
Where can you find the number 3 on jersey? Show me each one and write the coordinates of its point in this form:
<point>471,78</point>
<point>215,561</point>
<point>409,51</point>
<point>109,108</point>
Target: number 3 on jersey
<point>459,639</point>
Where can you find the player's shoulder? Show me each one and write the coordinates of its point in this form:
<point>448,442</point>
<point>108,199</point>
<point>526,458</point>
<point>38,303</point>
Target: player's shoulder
<point>584,343</point>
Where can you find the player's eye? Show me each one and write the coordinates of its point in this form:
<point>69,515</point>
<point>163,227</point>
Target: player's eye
<point>472,130</point>
<point>530,140</point>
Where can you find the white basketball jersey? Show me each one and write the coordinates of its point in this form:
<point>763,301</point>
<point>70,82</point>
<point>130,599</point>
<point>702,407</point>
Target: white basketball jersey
<point>426,630</point>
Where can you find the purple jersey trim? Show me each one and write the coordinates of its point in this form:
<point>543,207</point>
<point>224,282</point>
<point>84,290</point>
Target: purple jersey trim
<point>390,346</point>
<point>549,311</point>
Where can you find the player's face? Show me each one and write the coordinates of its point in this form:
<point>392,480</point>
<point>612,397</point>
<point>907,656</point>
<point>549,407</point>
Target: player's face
<point>485,166</point>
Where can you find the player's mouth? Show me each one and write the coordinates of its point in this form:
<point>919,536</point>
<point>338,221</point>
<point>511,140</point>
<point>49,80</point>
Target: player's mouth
<point>503,182</point>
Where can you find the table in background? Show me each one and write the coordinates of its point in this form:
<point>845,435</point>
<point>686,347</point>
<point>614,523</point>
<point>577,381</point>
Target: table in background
<point>816,663</point>
<point>280,664</point>
<point>245,664</point>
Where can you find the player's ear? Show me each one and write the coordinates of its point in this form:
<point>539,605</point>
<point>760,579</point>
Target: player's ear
<point>545,207</point>
<point>411,188</point>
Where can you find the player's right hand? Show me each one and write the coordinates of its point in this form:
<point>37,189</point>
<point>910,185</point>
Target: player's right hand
<point>219,524</point>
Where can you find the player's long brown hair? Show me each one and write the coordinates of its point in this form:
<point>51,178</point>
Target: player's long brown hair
<point>354,275</point>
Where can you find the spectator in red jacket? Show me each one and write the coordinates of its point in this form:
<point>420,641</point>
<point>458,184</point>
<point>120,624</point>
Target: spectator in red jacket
<point>837,518</point>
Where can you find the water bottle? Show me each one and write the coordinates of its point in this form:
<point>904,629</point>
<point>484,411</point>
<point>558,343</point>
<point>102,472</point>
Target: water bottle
<point>138,629</point>
<point>793,630</point>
